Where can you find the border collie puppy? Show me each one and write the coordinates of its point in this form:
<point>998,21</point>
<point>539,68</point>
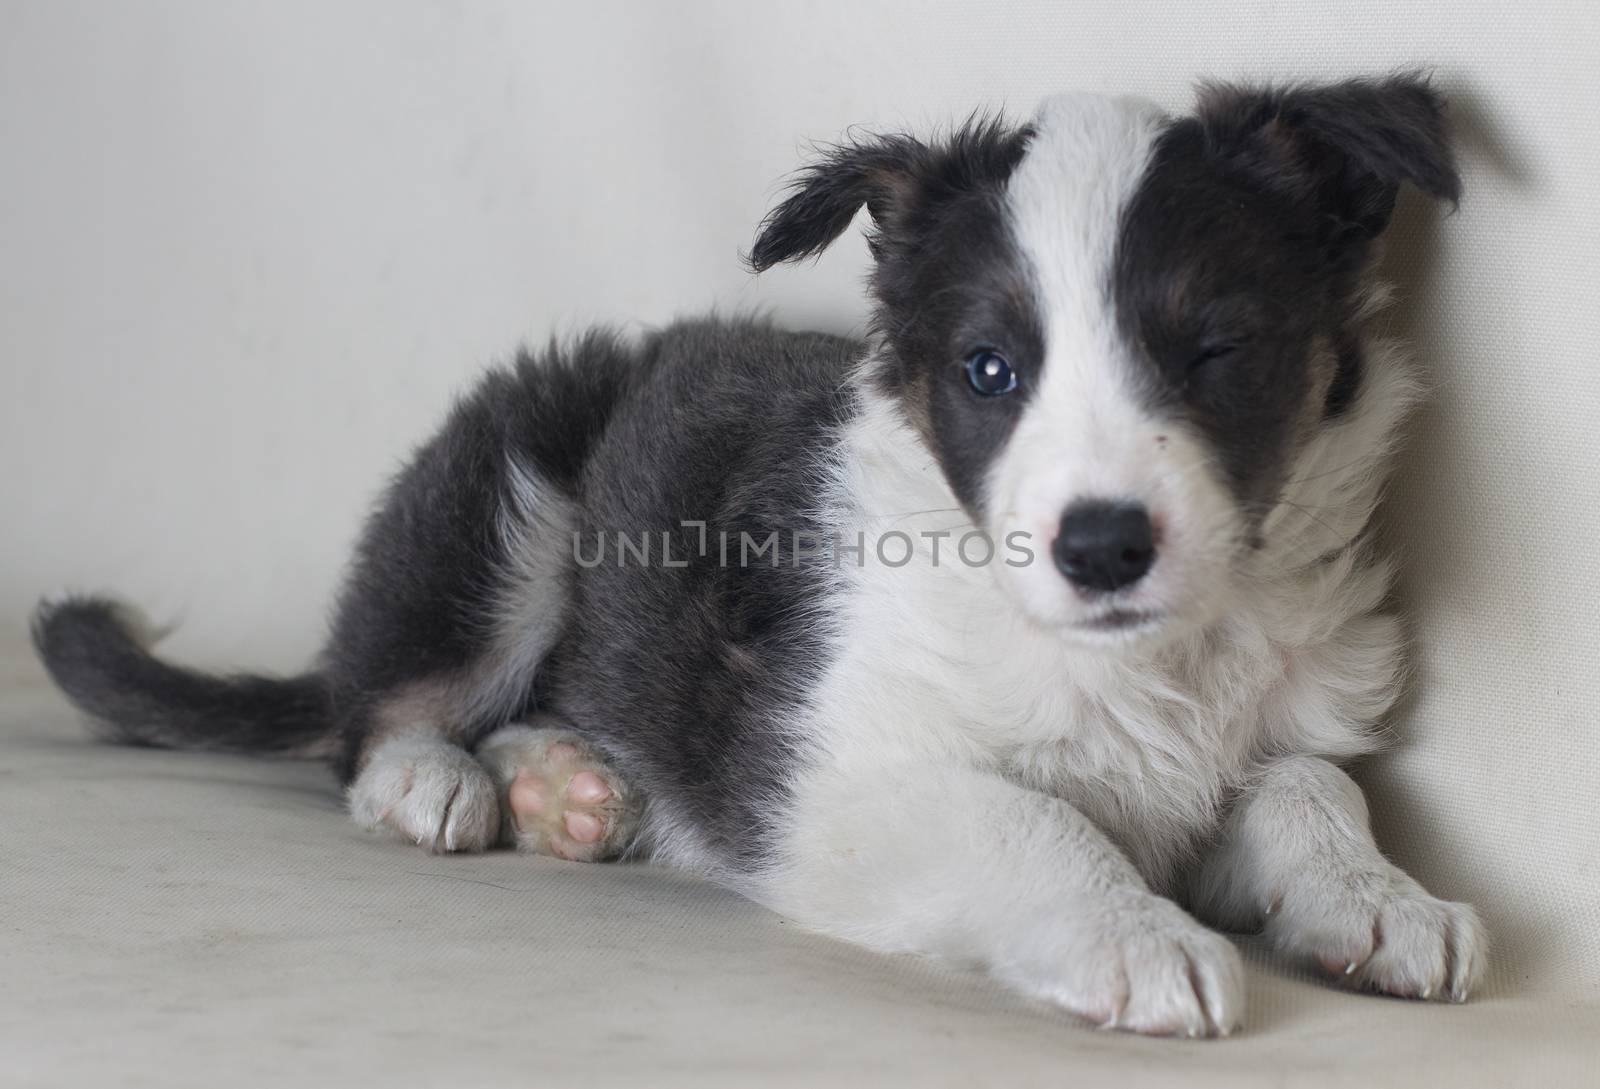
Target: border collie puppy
<point>1031,630</point>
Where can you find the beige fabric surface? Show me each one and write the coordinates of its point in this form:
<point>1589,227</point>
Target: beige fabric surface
<point>246,253</point>
<point>194,920</point>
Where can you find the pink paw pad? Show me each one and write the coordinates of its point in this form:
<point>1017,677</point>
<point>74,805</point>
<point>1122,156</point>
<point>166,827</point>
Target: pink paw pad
<point>583,827</point>
<point>527,794</point>
<point>561,798</point>
<point>587,788</point>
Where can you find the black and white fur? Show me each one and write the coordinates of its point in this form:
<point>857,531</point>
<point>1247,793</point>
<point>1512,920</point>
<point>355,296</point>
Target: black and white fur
<point>980,761</point>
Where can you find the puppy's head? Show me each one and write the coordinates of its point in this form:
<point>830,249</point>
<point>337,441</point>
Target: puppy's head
<point>1115,329</point>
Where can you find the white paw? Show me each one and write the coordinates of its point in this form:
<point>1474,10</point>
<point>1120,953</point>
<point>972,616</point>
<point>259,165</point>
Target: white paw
<point>428,791</point>
<point>1143,967</point>
<point>1381,930</point>
<point>557,794</point>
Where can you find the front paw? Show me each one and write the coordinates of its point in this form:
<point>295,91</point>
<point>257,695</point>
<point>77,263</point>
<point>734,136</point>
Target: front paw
<point>1147,967</point>
<point>1381,930</point>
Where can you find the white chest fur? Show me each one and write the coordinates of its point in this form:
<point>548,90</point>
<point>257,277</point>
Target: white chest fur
<point>935,665</point>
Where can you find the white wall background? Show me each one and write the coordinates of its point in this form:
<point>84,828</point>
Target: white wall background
<point>248,251</point>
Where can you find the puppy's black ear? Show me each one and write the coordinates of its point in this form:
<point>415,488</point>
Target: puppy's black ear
<point>894,175</point>
<point>878,171</point>
<point>1346,146</point>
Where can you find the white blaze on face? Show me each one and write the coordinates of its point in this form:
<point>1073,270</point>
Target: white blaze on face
<point>1085,434</point>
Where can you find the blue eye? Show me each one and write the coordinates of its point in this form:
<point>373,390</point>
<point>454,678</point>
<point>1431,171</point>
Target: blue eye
<point>989,373</point>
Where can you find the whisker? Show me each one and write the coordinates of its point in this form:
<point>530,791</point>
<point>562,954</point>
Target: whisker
<point>1335,534</point>
<point>1329,472</point>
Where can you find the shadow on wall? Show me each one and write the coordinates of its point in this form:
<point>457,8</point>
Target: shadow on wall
<point>1428,477</point>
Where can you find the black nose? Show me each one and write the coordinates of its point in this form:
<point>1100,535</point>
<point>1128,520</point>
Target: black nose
<point>1105,546</point>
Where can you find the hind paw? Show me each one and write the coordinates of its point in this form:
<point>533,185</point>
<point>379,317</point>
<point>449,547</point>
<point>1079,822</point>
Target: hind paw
<point>427,791</point>
<point>558,797</point>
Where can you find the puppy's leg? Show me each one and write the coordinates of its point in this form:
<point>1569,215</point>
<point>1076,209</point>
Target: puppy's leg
<point>418,704</point>
<point>432,650</point>
<point>460,587</point>
<point>558,796</point>
<point>1297,859</point>
<point>958,862</point>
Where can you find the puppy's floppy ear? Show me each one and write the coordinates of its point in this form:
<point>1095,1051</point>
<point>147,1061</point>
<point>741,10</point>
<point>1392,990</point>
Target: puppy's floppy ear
<point>878,171</point>
<point>895,176</point>
<point>1346,146</point>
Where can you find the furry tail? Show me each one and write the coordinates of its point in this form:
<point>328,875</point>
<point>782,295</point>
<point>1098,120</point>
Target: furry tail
<point>97,651</point>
